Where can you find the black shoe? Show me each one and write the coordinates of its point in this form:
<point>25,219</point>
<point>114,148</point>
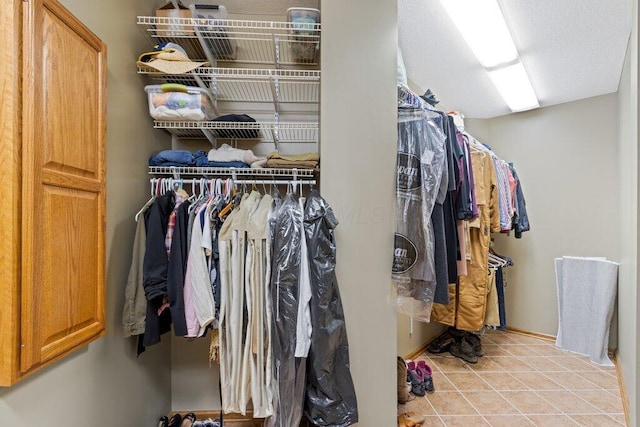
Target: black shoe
<point>475,342</point>
<point>175,421</point>
<point>464,351</point>
<point>442,343</point>
<point>163,421</point>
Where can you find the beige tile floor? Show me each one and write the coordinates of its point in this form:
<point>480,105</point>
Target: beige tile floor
<point>522,381</point>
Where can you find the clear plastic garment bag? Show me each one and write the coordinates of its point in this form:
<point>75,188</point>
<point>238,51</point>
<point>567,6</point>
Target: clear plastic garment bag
<point>420,164</point>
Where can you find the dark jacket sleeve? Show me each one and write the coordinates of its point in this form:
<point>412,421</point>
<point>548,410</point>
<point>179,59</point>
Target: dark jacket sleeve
<point>155,257</point>
<point>177,269</point>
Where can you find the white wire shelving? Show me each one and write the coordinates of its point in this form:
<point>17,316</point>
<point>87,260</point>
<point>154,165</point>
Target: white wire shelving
<point>273,48</point>
<point>249,84</point>
<point>276,132</point>
<point>242,41</point>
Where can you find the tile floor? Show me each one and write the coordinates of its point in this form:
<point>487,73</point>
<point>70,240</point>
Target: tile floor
<point>522,381</point>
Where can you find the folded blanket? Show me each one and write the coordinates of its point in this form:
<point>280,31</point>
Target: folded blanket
<point>226,153</point>
<point>287,164</point>
<point>294,157</point>
<point>176,158</point>
<point>238,165</point>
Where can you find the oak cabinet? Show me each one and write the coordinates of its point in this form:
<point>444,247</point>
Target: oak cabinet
<point>52,165</point>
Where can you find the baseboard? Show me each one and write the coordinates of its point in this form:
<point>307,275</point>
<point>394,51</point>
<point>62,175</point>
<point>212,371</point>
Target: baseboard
<point>539,335</point>
<point>418,351</point>
<point>623,388</point>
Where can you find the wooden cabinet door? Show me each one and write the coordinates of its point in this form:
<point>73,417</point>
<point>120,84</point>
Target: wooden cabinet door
<point>63,184</point>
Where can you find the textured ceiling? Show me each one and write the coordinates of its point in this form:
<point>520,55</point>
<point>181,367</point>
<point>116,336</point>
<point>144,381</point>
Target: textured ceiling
<point>572,49</point>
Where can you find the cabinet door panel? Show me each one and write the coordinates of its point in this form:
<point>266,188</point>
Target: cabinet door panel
<point>63,184</point>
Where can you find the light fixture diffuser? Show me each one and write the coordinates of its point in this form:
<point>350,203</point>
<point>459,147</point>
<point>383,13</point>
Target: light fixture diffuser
<point>483,27</point>
<point>513,84</point>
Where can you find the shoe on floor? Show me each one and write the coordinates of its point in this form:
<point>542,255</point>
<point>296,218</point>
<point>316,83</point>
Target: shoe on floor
<point>464,351</point>
<point>188,420</point>
<point>427,374</point>
<point>442,343</point>
<point>175,421</point>
<point>475,342</point>
<point>403,393</point>
<point>413,417</point>
<point>410,419</point>
<point>417,380</point>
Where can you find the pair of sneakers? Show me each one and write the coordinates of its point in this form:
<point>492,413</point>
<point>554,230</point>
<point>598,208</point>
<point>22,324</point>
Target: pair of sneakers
<point>421,377</point>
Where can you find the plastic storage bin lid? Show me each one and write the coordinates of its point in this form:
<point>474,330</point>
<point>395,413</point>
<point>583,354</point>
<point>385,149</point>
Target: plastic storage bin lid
<point>310,11</point>
<point>173,87</point>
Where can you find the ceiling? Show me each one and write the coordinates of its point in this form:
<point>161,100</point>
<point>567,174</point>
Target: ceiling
<point>571,49</point>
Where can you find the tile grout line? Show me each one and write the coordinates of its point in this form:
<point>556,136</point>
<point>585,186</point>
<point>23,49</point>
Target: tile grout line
<point>578,396</point>
<point>499,394</point>
<point>522,358</point>
<point>465,397</point>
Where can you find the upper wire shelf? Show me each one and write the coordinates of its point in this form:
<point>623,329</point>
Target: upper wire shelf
<point>242,41</point>
<point>249,84</point>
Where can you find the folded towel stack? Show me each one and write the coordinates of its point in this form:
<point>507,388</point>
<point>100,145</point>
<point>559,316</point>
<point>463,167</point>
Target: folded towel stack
<point>298,161</point>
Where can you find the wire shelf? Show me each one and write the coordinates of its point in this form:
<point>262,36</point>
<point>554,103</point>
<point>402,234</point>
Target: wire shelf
<point>265,131</point>
<point>249,84</point>
<point>300,174</point>
<point>253,42</point>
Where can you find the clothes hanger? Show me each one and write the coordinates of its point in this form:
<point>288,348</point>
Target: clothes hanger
<point>224,211</point>
<point>149,202</point>
<point>180,189</point>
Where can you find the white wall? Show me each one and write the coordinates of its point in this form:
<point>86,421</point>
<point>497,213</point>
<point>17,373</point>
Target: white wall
<point>358,152</point>
<point>628,219</point>
<point>567,159</point>
<point>105,384</point>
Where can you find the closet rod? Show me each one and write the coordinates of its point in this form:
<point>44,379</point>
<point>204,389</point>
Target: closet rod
<point>195,181</point>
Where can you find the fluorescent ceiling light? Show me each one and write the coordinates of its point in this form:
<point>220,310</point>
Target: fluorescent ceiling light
<point>484,29</point>
<point>513,84</point>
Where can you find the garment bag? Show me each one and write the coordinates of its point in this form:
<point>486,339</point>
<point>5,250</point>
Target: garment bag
<point>330,396</point>
<point>289,371</point>
<point>420,162</point>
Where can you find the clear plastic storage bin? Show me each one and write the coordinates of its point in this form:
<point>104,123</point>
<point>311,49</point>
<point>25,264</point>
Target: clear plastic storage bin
<point>304,45</point>
<point>209,21</point>
<point>173,102</point>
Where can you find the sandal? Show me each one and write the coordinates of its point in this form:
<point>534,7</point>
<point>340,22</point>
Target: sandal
<point>411,417</point>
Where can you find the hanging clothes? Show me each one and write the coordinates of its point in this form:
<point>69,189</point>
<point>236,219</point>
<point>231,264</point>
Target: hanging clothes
<point>330,398</point>
<point>466,309</point>
<point>135,302</point>
<point>258,348</point>
<point>421,157</point>
<point>177,269</point>
<point>521,220</point>
<point>232,244</point>
<point>272,263</point>
<point>158,318</point>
